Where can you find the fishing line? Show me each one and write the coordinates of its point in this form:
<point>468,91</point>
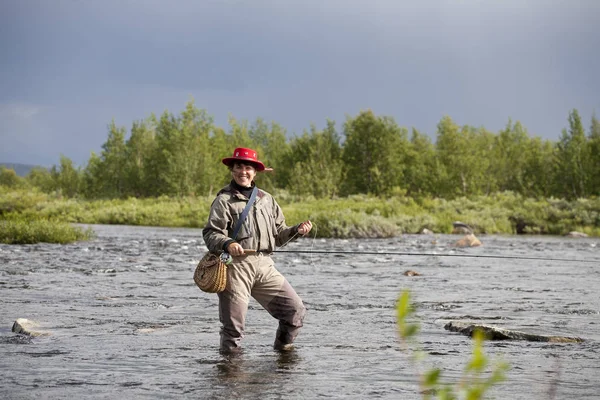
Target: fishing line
<point>312,245</point>
<point>312,252</point>
<point>401,253</point>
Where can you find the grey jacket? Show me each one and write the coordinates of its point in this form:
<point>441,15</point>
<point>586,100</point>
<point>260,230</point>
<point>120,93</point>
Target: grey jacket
<point>263,229</point>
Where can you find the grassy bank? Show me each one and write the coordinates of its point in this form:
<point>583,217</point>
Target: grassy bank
<point>356,216</point>
<point>19,231</point>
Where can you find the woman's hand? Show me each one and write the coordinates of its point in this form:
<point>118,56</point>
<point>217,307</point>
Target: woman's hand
<point>235,249</point>
<point>305,227</point>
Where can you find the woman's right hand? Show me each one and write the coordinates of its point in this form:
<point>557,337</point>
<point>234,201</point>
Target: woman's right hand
<point>235,249</point>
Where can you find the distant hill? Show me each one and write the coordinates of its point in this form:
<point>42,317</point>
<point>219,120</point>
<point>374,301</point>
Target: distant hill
<point>20,169</point>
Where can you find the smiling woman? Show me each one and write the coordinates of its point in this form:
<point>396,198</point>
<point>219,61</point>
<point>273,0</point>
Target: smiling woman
<point>248,224</point>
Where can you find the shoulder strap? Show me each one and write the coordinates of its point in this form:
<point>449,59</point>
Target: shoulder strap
<point>240,221</point>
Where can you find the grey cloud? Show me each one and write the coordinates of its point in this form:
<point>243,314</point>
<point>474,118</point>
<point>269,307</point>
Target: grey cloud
<point>295,62</point>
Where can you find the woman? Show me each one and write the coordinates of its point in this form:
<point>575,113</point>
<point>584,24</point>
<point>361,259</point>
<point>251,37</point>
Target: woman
<point>253,273</point>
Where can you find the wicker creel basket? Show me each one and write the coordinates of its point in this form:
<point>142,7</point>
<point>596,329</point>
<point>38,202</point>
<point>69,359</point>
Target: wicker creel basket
<point>211,274</point>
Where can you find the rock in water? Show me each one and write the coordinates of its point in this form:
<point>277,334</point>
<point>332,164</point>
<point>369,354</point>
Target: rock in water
<point>27,327</point>
<point>468,241</point>
<point>494,333</point>
<point>576,234</point>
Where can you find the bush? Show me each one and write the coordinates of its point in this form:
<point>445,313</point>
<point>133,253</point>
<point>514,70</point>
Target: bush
<point>19,231</point>
<point>358,216</point>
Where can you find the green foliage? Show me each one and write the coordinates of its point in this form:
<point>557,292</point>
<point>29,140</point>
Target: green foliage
<point>422,175</point>
<point>41,178</point>
<point>465,157</point>
<point>20,201</point>
<point>67,178</point>
<point>593,164</point>
<point>572,157</point>
<point>9,178</point>
<point>357,216</point>
<point>538,169</point>
<point>509,157</point>
<point>138,175</point>
<point>162,211</point>
<point>374,154</point>
<point>316,166</point>
<point>474,383</point>
<point>273,147</point>
<point>180,156</point>
<point>21,231</point>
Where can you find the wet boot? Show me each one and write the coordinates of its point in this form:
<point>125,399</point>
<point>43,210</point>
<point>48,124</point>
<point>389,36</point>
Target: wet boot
<point>283,340</point>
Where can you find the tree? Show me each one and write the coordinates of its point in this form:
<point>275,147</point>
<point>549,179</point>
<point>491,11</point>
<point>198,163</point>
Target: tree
<point>481,177</point>
<point>9,178</point>
<point>316,163</point>
<point>422,174</point>
<point>193,155</point>
<point>41,178</point>
<point>92,179</point>
<point>593,167</point>
<point>272,146</point>
<point>509,157</point>
<point>572,159</point>
<point>538,169</point>
<point>139,177</point>
<point>105,175</point>
<point>114,158</point>
<point>221,147</point>
<point>239,133</point>
<point>67,178</point>
<point>183,154</point>
<point>464,155</point>
<point>374,154</point>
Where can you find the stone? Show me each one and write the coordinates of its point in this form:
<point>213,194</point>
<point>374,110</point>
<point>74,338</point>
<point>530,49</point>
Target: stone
<point>27,327</point>
<point>495,333</point>
<point>576,234</point>
<point>468,241</point>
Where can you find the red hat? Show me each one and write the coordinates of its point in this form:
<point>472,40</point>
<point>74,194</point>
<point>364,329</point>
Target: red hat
<point>244,155</point>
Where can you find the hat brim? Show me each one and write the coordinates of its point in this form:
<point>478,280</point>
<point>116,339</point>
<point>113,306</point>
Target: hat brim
<point>229,161</point>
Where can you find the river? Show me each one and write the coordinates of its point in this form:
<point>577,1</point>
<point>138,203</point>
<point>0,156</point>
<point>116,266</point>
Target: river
<point>125,319</point>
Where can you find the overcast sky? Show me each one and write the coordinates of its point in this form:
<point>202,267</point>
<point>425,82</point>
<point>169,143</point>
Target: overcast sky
<point>68,67</point>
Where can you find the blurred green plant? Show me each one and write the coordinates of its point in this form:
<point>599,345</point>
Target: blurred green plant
<point>473,385</point>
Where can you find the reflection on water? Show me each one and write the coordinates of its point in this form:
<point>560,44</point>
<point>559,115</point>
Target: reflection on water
<point>239,370</point>
<point>127,321</point>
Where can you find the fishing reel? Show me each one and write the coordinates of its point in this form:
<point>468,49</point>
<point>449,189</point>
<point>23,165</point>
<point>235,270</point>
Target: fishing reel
<point>226,258</point>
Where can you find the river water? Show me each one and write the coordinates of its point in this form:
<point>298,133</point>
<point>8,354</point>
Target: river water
<point>126,320</point>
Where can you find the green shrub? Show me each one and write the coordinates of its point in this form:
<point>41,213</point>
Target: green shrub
<point>358,216</point>
<point>19,231</point>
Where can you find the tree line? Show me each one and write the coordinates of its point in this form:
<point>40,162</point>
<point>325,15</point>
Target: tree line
<point>180,155</point>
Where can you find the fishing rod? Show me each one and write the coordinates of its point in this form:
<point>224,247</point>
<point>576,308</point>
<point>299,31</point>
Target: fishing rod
<point>402,253</point>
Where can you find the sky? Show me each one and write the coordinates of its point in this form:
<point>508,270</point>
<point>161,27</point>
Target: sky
<point>70,67</point>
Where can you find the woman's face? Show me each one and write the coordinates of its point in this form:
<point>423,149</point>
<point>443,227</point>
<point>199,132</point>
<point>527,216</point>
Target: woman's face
<point>243,174</point>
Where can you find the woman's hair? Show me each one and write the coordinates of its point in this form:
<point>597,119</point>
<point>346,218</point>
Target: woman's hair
<point>247,163</point>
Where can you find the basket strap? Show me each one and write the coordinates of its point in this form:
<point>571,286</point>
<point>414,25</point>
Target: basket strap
<point>238,226</point>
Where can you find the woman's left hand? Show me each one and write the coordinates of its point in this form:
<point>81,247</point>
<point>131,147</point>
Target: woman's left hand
<point>305,227</point>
